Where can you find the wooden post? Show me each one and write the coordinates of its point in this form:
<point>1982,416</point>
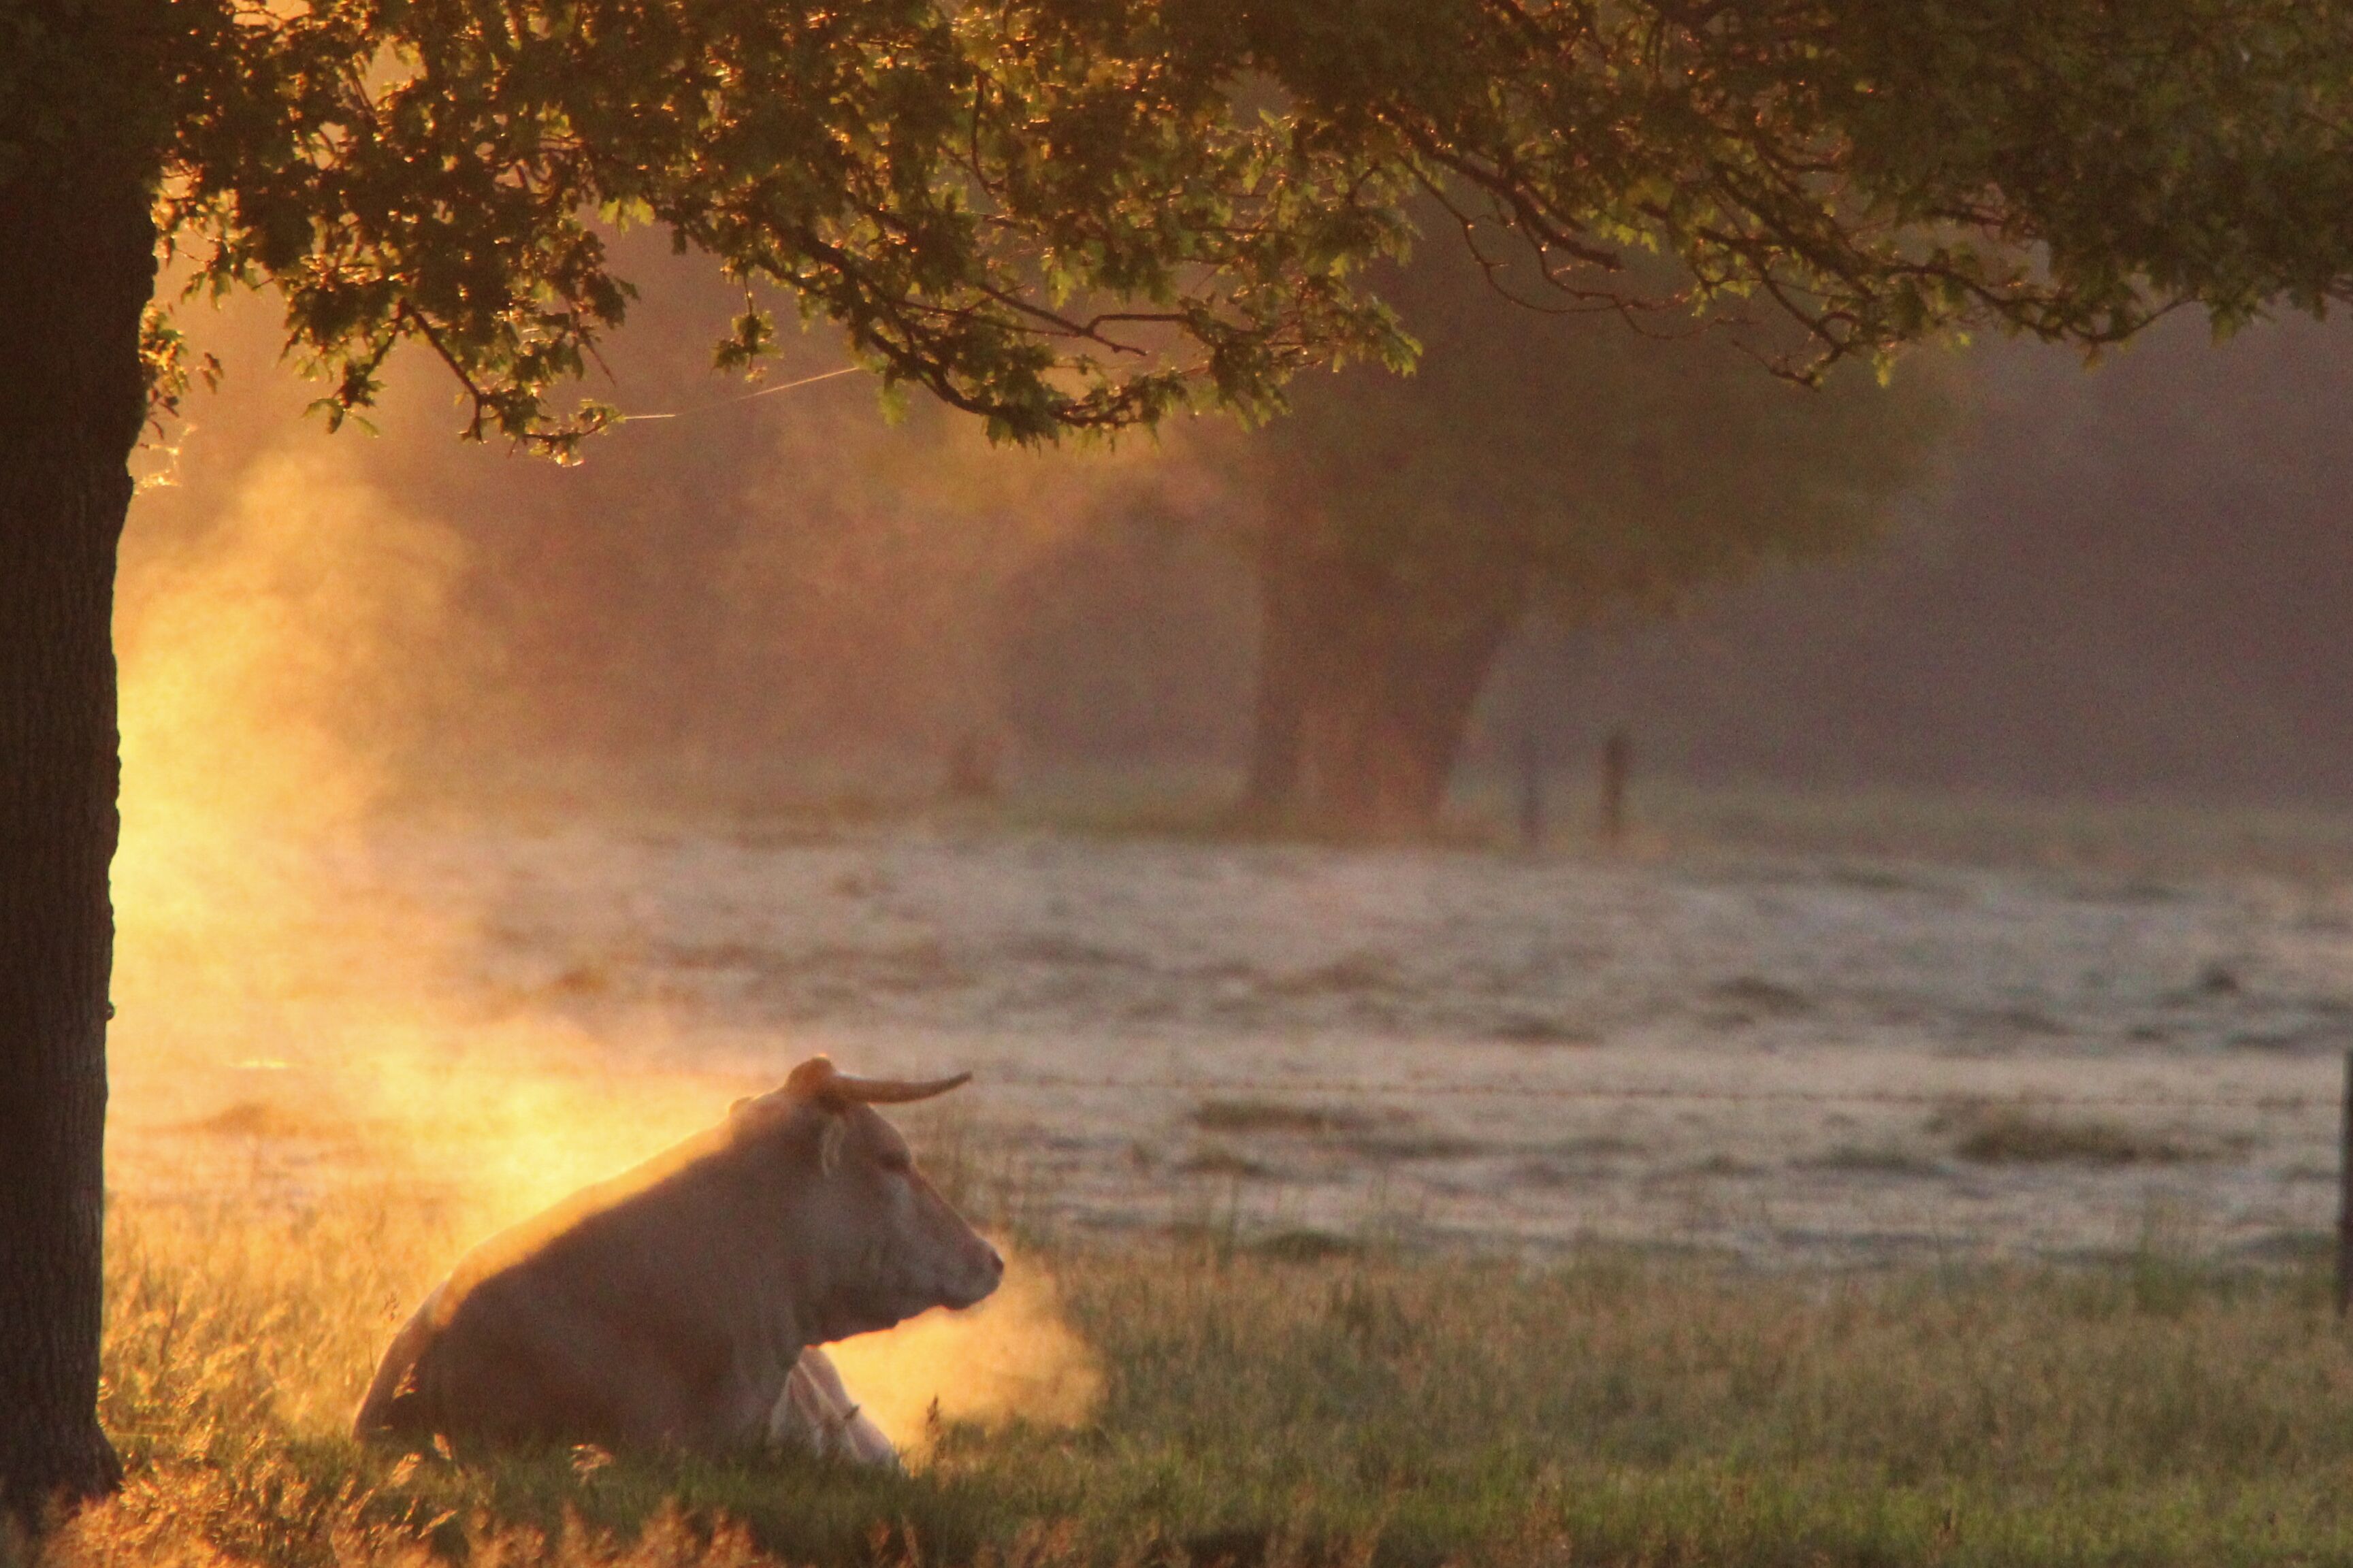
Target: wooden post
<point>2345,1195</point>
<point>973,766</point>
<point>1532,785</point>
<point>1617,762</point>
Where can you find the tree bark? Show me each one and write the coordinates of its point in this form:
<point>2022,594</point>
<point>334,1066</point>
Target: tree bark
<point>76,269</point>
<point>1367,674</point>
<point>1380,755</point>
<point>1288,624</point>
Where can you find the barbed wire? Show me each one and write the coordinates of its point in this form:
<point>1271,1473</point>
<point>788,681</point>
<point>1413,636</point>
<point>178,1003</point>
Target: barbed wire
<point>1938,1099</point>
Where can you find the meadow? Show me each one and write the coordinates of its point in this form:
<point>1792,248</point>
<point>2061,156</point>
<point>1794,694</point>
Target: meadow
<point>1306,1398</point>
<point>1593,1310</point>
<point>1805,1179</point>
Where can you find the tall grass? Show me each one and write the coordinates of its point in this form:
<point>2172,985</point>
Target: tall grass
<point>1331,1404</point>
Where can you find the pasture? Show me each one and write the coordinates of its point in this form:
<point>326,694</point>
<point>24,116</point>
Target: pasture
<point>1749,1198</point>
<point>1269,1403</point>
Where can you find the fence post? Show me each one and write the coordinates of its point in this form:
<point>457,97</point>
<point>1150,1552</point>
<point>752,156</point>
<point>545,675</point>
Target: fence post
<point>2345,1195</point>
<point>1617,762</point>
<point>1532,788</point>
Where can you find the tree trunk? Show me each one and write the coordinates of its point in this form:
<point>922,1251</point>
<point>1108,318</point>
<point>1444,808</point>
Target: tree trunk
<point>76,268</point>
<point>1367,674</point>
<point>1382,735</point>
<point>1288,627</point>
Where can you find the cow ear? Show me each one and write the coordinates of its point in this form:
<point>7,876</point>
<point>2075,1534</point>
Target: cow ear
<point>813,1080</point>
<point>829,1142</point>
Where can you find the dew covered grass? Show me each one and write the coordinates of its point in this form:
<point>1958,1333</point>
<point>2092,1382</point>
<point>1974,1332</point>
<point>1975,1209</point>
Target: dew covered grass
<point>1329,1403</point>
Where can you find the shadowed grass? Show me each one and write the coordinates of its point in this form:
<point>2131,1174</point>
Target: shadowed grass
<point>1311,1405</point>
<point>1992,1134</point>
<point>1276,1116</point>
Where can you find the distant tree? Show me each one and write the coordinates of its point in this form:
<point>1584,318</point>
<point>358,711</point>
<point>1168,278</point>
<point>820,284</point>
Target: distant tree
<point>1058,215</point>
<point>1130,639</point>
<point>1530,460</point>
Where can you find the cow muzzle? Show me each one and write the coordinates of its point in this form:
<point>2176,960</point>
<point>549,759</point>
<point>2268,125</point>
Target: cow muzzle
<point>983,1272</point>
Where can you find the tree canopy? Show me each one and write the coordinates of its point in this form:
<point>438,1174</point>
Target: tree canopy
<point>1081,214</point>
<point>1568,460</point>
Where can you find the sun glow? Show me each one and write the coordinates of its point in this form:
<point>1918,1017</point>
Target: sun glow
<point>295,1020</point>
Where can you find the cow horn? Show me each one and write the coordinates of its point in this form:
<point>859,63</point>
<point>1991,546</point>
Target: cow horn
<point>818,1079</point>
<point>892,1090</point>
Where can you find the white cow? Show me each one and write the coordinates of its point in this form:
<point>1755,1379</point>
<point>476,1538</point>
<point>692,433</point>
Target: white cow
<point>815,1415</point>
<point>677,1306</point>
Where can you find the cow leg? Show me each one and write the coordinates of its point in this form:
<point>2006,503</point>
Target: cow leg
<point>816,1412</point>
<point>861,1439</point>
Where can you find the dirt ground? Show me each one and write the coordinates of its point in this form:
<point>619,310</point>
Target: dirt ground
<point>1809,1059</point>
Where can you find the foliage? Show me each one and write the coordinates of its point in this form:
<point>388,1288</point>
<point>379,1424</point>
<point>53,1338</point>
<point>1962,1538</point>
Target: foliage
<point>1561,457</point>
<point>1872,171</point>
<point>1317,1405</point>
<point>1532,457</point>
<point>2192,149</point>
<point>1085,214</point>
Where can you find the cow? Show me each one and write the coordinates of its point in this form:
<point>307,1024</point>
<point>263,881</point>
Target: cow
<point>677,1306</point>
<point>815,1415</point>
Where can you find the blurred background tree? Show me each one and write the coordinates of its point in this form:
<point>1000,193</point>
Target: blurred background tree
<point>1555,459</point>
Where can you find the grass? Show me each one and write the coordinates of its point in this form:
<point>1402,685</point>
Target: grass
<point>2146,843</point>
<point>1276,1116</point>
<point>1309,1400</point>
<point>1876,837</point>
<point>2139,846</point>
<point>2005,1134</point>
<point>1375,1139</point>
<point>1874,1159</point>
<point>1214,1161</point>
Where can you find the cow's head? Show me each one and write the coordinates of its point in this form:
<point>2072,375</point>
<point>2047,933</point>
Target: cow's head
<point>877,1241</point>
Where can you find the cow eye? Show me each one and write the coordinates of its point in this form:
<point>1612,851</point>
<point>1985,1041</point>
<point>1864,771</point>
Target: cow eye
<point>897,1162</point>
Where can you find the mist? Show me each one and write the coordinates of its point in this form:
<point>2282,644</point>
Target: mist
<point>339,656</point>
<point>370,681</point>
<point>2130,585</point>
<point>2121,588</point>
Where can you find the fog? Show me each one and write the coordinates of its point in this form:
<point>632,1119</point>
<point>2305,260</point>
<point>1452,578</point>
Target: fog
<point>779,594</point>
<point>2128,583</point>
<point>336,650</point>
<point>451,853</point>
<point>2131,583</point>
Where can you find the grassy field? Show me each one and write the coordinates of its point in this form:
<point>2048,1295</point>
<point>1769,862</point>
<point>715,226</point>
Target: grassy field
<point>1311,1400</point>
<point>1273,1397</point>
<point>1667,816</point>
